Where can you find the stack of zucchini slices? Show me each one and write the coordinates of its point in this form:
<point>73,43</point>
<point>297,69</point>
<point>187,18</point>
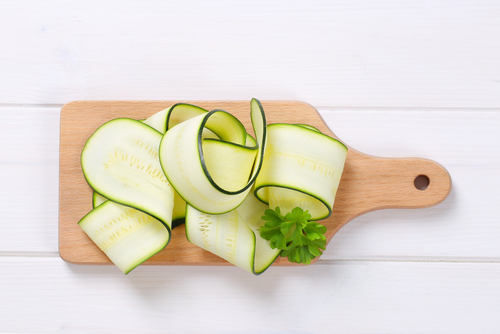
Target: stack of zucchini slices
<point>186,164</point>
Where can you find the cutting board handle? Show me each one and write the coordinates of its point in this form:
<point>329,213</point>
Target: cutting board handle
<point>392,183</point>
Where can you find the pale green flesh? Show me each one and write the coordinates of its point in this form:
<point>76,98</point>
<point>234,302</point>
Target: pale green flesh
<point>177,114</point>
<point>179,211</point>
<point>250,141</point>
<point>142,236</point>
<point>233,235</point>
<point>306,165</point>
<point>182,112</point>
<point>251,211</point>
<point>228,165</point>
<point>158,122</point>
<point>120,161</point>
<point>225,235</point>
<point>307,126</point>
<point>127,236</point>
<point>182,160</point>
<point>97,199</point>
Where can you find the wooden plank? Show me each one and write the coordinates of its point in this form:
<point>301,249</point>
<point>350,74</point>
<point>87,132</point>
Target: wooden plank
<point>368,183</point>
<point>456,137</point>
<point>345,53</point>
<point>29,140</point>
<point>48,295</point>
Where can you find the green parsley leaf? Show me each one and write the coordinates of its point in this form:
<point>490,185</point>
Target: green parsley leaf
<point>298,238</point>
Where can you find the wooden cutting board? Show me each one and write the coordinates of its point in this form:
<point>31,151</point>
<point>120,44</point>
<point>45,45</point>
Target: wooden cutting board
<point>368,183</point>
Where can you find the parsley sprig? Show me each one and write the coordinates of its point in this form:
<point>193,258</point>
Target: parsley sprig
<point>298,238</point>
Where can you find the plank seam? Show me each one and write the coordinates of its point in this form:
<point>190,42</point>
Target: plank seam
<point>413,260</point>
<point>408,109</point>
<point>327,108</point>
<point>28,254</point>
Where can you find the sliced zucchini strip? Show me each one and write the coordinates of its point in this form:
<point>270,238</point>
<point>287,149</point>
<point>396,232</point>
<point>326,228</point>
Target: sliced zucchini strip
<point>250,141</point>
<point>178,113</point>
<point>127,236</point>
<point>183,159</point>
<point>179,211</point>
<point>302,167</point>
<point>307,126</point>
<point>233,235</point>
<point>120,161</point>
<point>182,112</point>
<point>158,121</point>
<point>97,199</point>
<point>228,165</point>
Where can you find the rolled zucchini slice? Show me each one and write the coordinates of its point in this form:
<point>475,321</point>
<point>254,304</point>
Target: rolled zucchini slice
<point>97,199</point>
<point>158,121</point>
<point>234,235</point>
<point>166,119</point>
<point>302,167</point>
<point>178,113</point>
<point>127,236</point>
<point>178,213</point>
<point>188,160</point>
<point>120,162</point>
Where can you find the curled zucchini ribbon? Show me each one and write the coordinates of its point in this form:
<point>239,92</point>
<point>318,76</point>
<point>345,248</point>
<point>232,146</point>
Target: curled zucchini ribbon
<point>213,175</point>
<point>301,168</point>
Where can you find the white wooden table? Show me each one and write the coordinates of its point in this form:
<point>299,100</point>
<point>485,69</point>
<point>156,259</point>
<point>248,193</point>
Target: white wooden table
<point>391,78</point>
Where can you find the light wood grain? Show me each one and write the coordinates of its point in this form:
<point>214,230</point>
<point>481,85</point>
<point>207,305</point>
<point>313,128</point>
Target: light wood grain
<point>368,183</point>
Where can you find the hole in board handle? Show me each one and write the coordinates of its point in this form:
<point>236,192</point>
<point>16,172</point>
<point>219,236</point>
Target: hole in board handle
<point>421,182</point>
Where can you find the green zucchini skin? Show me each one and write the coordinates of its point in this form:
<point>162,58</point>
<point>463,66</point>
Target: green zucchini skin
<point>307,126</point>
<point>183,162</point>
<point>101,216</point>
<point>178,215</point>
<point>302,167</point>
<point>97,199</point>
<point>227,165</point>
<point>181,112</point>
<point>126,235</point>
<point>120,161</point>
<point>133,201</point>
<point>234,235</point>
